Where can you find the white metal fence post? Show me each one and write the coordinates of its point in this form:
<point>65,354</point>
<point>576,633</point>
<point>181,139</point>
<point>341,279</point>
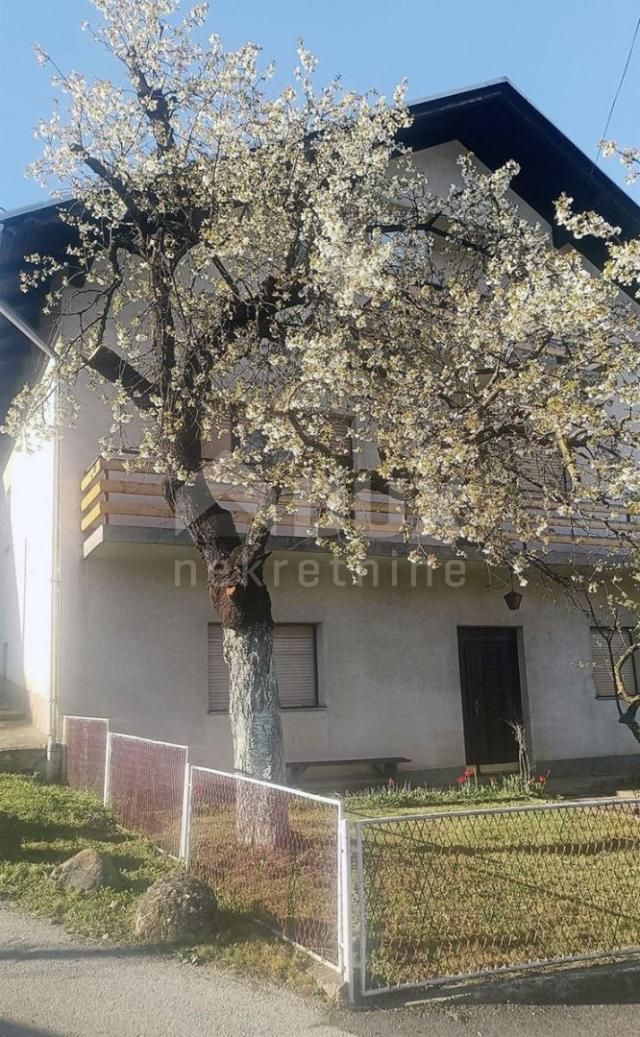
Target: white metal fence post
<point>185,819</point>
<point>362,941</point>
<point>107,772</point>
<point>345,896</point>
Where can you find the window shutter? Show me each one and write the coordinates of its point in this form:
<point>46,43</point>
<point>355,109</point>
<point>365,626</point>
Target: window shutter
<point>294,656</point>
<point>602,676</point>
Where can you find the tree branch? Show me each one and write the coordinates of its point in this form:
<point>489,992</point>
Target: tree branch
<point>115,182</point>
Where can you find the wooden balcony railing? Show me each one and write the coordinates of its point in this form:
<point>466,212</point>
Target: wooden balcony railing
<point>113,494</point>
<point>110,492</point>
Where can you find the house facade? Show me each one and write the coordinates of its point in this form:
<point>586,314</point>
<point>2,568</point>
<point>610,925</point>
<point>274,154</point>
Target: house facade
<point>104,608</point>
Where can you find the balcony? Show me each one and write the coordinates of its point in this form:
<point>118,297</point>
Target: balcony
<point>122,506</point>
<point>119,505</point>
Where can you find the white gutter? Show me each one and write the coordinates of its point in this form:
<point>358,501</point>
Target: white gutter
<point>8,311</point>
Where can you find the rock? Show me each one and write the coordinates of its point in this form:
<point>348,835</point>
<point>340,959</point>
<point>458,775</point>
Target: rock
<point>10,840</point>
<point>86,871</point>
<point>176,909</point>
<point>330,982</point>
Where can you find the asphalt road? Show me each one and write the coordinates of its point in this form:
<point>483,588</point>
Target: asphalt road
<point>50,984</point>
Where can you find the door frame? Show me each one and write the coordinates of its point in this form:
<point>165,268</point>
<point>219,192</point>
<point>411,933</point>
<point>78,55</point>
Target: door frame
<point>524,695</point>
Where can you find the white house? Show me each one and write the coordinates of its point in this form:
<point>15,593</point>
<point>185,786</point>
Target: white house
<point>103,603</point>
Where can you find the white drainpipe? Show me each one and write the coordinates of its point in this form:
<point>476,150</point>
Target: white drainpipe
<point>55,723</point>
<point>8,311</point>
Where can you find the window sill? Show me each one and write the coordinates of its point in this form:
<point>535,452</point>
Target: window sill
<point>303,709</point>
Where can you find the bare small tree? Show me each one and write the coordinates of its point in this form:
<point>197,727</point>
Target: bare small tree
<point>524,763</point>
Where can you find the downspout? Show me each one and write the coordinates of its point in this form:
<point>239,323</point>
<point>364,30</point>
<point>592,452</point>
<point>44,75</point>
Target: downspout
<point>54,751</point>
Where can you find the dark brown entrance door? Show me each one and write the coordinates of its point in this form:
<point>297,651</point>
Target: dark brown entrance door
<point>490,681</point>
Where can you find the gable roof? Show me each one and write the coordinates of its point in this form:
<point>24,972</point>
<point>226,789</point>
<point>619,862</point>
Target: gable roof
<point>494,121</point>
<point>497,123</point>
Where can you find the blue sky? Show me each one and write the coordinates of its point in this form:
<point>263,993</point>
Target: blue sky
<point>565,55</point>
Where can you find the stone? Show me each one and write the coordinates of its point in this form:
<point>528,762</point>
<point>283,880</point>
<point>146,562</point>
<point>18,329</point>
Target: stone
<point>86,871</point>
<point>176,909</point>
<point>330,982</point>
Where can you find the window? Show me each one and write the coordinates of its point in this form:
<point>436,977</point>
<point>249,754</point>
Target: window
<point>543,471</point>
<point>294,655</point>
<point>340,439</point>
<point>602,676</point>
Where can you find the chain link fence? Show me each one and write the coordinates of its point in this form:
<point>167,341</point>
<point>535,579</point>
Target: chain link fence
<point>390,903</point>
<point>145,788</point>
<point>85,741</point>
<point>459,894</point>
<point>272,852</point>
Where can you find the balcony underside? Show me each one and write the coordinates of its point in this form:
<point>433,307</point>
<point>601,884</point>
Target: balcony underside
<point>119,542</point>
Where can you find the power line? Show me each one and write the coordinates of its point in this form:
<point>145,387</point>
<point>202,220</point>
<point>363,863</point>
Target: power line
<point>617,93</point>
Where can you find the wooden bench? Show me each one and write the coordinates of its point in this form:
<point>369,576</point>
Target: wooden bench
<point>385,766</point>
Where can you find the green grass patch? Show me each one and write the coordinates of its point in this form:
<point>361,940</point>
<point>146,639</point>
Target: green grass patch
<point>53,822</point>
<point>242,947</point>
<point>458,894</point>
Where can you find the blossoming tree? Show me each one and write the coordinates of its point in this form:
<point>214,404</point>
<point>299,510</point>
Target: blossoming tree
<point>273,261</point>
<point>621,597</point>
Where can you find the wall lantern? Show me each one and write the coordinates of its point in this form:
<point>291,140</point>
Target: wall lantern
<point>513,598</point>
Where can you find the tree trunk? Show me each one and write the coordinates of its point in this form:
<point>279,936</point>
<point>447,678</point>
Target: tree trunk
<point>258,751</point>
<point>235,575</point>
<point>256,727</point>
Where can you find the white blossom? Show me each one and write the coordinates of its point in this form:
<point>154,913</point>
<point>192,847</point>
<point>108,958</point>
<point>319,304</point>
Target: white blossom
<point>271,263</point>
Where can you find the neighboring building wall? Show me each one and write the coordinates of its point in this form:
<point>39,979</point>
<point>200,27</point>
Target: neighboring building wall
<point>26,570</point>
<point>441,164</point>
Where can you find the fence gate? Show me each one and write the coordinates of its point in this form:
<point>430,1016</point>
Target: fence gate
<point>461,894</point>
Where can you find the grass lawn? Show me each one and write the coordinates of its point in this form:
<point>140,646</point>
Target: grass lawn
<point>55,822</point>
<point>456,895</point>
